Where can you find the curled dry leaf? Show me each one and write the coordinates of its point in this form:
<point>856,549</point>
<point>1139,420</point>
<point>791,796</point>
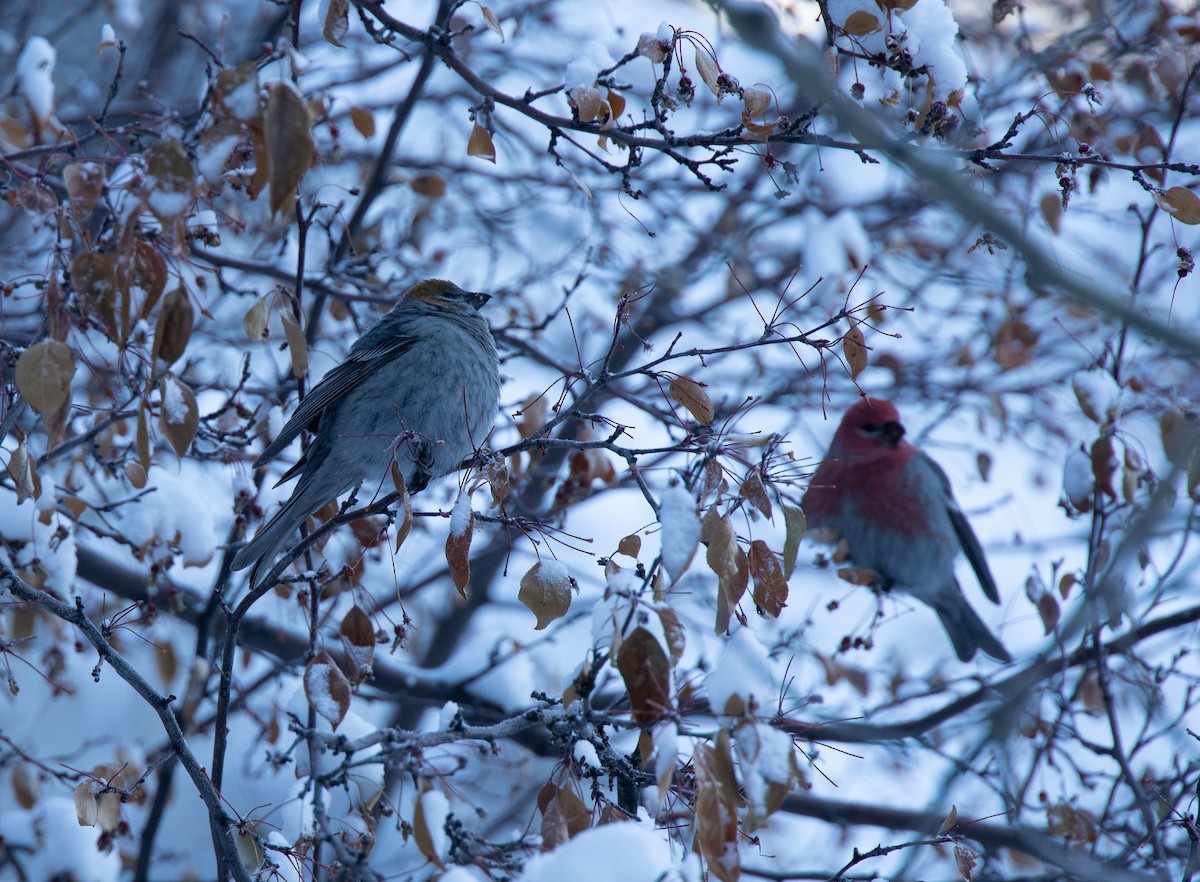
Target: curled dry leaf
<point>289,143</point>
<point>965,860</point>
<point>756,100</point>
<point>174,326</point>
<point>709,70</point>
<point>951,821</point>
<point>480,144</point>
<point>255,321</point>
<point>44,373</point>
<point>754,492</point>
<point>795,525</point>
<point>87,807</point>
<point>337,22</point>
<point>716,809</point>
<point>297,345</point>
<point>546,590</point>
<point>1104,465</point>
<point>770,588</point>
<point>95,284</point>
<point>691,395</point>
<point>22,469</point>
<point>327,689</point>
<point>854,347</point>
<point>492,22</point>
<point>404,520</point>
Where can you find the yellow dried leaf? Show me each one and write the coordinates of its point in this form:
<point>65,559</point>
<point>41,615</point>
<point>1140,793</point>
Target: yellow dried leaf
<point>854,348</point>
<point>692,396</point>
<point>709,70</point>
<point>630,545</point>
<point>363,121</point>
<point>43,375</point>
<point>431,186</point>
<point>297,345</point>
<point>255,321</point>
<point>289,144</point>
<point>859,24</point>
<point>546,590</point>
<point>337,22</point>
<point>1182,204</point>
<point>480,144</point>
<point>493,23</point>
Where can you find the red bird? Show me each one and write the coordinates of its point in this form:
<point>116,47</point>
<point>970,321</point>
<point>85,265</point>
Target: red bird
<point>893,506</point>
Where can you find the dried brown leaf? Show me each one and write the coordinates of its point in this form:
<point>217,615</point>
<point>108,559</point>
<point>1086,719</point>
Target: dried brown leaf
<point>44,372</point>
<point>173,329</point>
<point>480,144</point>
<point>363,121</point>
<point>859,24</point>
<point>854,348</point>
<point>297,345</point>
<point>289,144</point>
<point>337,22</point>
<point>709,70</point>
<point>692,396</point>
<point>178,415</point>
<point>646,670</point>
<point>458,547</point>
<point>770,588</point>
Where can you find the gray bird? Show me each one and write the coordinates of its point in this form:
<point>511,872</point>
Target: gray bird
<point>420,387</point>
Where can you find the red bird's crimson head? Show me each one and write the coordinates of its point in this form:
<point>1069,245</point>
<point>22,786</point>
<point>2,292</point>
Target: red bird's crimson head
<point>870,424</point>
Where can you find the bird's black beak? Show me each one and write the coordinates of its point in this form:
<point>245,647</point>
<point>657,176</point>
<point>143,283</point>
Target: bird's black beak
<point>891,432</point>
<point>477,299</point>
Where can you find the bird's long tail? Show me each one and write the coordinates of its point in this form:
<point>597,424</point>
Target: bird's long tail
<point>967,631</point>
<point>313,491</point>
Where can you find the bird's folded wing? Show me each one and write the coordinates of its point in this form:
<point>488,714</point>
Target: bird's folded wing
<point>966,536</point>
<point>343,378</point>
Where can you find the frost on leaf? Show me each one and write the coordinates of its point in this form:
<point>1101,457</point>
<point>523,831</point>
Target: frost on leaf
<point>170,182</point>
<point>358,637</point>
<point>458,543</point>
<point>716,809</point>
<point>1182,204</point>
<point>546,591</point>
<point>95,284</point>
<point>289,143</point>
<point>84,182</point>
<point>680,529</point>
<point>178,416</point>
<point>327,689</point>
<point>337,22</point>
<point>236,92</point>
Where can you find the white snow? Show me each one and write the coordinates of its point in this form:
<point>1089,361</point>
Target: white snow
<point>436,807</point>
<point>592,59</point>
<point>623,852</point>
<point>744,672</point>
<point>680,529</point>
<point>460,515</point>
<point>35,77</point>
<point>585,752</point>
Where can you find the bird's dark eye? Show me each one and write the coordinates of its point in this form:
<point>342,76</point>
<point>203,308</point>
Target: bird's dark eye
<point>870,427</point>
